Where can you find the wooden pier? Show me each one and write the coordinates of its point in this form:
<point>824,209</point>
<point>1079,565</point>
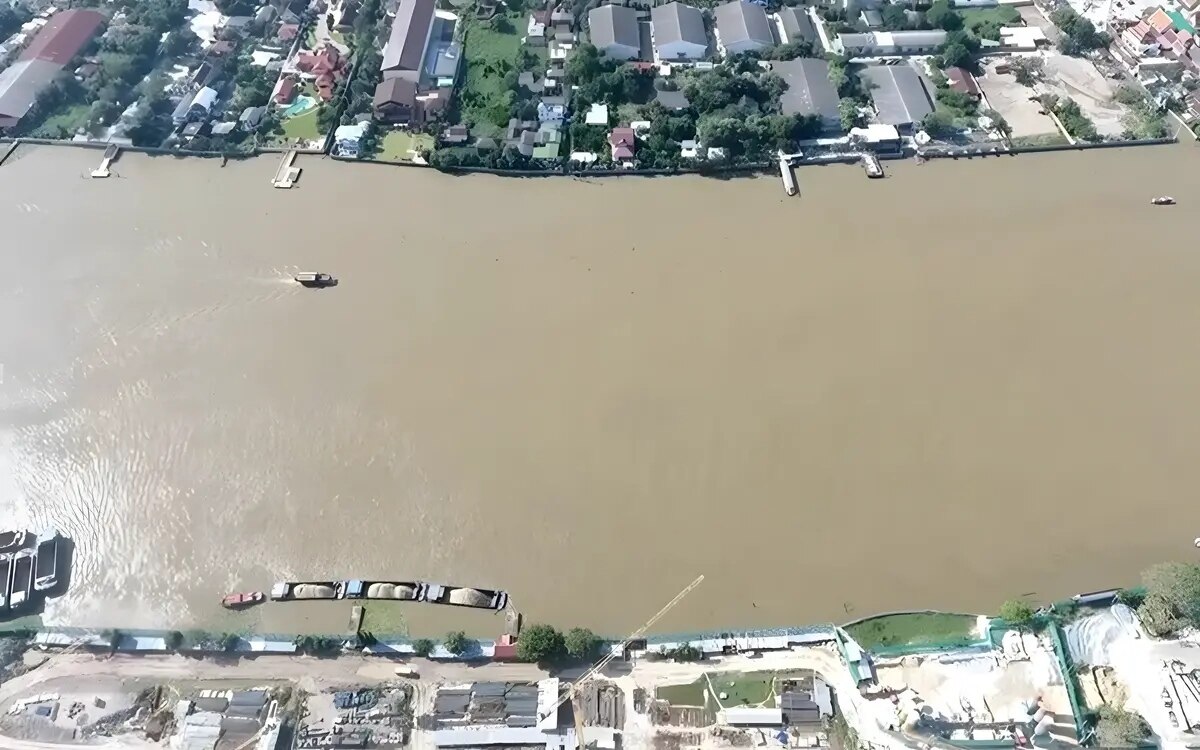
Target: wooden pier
<point>286,175</point>
<point>110,155</point>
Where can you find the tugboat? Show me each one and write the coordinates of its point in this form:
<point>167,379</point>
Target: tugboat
<point>314,280</point>
<point>247,599</point>
<point>11,540</point>
<point>1163,200</point>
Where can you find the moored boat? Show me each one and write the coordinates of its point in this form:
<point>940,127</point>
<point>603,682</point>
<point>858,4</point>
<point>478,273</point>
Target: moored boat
<point>314,279</point>
<point>21,587</point>
<point>301,591</point>
<point>1163,200</point>
<point>384,590</point>
<point>46,561</point>
<point>5,580</point>
<point>245,599</point>
<point>459,596</point>
<point>12,540</point>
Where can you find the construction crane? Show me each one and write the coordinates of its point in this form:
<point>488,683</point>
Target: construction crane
<point>573,690</point>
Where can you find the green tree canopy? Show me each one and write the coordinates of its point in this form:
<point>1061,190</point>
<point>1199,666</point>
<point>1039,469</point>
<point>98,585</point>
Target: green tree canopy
<point>894,17</point>
<point>941,15</point>
<point>540,643</point>
<point>1016,612</point>
<point>423,646</point>
<point>456,642</point>
<point>581,643</point>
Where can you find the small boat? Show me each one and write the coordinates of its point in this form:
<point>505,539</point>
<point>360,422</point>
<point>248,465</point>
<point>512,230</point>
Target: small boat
<point>1163,200</point>
<point>11,540</point>
<point>236,601</point>
<point>315,280</point>
<point>5,580</point>
<point>20,591</point>
<point>46,565</point>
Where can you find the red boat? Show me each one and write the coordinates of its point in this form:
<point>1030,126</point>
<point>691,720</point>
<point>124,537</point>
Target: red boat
<point>237,601</point>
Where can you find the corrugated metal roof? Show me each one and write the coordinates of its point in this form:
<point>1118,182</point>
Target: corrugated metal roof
<point>611,25</point>
<point>797,25</point>
<point>899,95</point>
<point>809,90</point>
<point>676,22</point>
<point>488,736</point>
<point>754,716</point>
<point>20,84</point>
<point>67,33</point>
<point>410,29</point>
<point>740,22</point>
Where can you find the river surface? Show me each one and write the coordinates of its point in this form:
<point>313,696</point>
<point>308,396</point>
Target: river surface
<point>971,381</point>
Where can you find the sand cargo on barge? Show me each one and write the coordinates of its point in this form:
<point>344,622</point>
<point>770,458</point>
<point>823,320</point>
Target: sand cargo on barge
<point>413,591</point>
<point>20,589</point>
<point>46,566</point>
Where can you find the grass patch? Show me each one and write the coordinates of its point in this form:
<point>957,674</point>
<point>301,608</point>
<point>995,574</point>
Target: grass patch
<point>63,123</point>
<point>986,22</point>
<point>490,50</point>
<point>691,694</point>
<point>922,629</point>
<point>399,144</point>
<point>744,688</point>
<point>302,126</point>
<point>1043,139</point>
<point>383,620</point>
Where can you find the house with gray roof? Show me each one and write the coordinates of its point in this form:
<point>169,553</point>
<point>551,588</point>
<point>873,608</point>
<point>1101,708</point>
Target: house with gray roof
<point>899,95</point>
<point>614,31</point>
<point>405,49</point>
<point>742,27</point>
<point>917,42</point>
<point>20,84</point>
<point>678,32</point>
<point>809,91</point>
<point>795,25</point>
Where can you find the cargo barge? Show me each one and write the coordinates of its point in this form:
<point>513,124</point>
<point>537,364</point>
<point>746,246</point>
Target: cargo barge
<point>46,562</point>
<point>5,580</point>
<point>20,589</point>
<point>413,591</point>
<point>12,540</point>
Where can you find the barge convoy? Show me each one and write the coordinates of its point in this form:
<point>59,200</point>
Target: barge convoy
<point>414,591</point>
<point>28,573</point>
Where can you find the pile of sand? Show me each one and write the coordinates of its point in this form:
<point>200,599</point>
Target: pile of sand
<point>313,591</point>
<point>470,598</point>
<point>390,591</point>
<point>1090,638</point>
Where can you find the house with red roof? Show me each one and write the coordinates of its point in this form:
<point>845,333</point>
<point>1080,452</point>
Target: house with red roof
<point>623,144</point>
<point>285,94</point>
<point>327,67</point>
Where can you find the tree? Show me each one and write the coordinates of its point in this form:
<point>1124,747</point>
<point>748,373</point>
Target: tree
<point>173,640</point>
<point>1016,612</point>
<point>939,123</point>
<point>1172,597</point>
<point>539,643</point>
<point>684,652</point>
<point>228,642</point>
<point>998,122</point>
<point>957,55</point>
<point>1027,70</point>
<point>456,642</point>
<point>423,647</point>
<point>894,17</point>
<point>848,113</point>
<point>1079,34</point>
<point>941,15</point>
<point>1118,727</point>
<point>581,643</point>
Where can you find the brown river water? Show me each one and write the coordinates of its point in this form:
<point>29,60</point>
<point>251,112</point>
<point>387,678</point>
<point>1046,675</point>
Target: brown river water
<point>970,381</point>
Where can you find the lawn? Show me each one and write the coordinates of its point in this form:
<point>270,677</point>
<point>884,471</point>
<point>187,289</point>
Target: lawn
<point>740,689</point>
<point>398,145</point>
<point>63,123</point>
<point>302,126</point>
<point>491,51</point>
<point>1001,15</point>
<point>926,628</point>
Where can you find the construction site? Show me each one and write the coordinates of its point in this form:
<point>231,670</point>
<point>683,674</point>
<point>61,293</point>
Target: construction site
<point>365,717</point>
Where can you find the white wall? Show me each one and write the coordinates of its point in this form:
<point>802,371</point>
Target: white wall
<point>681,50</point>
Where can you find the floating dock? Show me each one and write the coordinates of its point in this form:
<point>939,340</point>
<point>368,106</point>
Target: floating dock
<point>356,619</point>
<point>870,163</point>
<point>110,155</point>
<point>413,591</point>
<point>286,175</point>
<point>789,177</point>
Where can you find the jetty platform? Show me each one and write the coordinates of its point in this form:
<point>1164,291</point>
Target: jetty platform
<point>287,174</point>
<point>110,155</point>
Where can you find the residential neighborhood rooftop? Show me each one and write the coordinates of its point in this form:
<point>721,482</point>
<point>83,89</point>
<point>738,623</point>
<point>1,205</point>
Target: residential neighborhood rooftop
<point>740,22</point>
<point>405,49</point>
<point>614,25</point>
<point>899,94</point>
<point>809,91</point>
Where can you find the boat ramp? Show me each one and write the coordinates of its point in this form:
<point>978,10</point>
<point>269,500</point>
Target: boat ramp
<point>110,155</point>
<point>287,174</point>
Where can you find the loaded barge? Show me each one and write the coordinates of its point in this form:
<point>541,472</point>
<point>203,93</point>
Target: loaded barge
<point>20,587</point>
<point>46,567</point>
<point>11,540</point>
<point>5,580</point>
<point>414,591</point>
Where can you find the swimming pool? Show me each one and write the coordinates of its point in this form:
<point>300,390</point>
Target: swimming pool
<point>300,106</point>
